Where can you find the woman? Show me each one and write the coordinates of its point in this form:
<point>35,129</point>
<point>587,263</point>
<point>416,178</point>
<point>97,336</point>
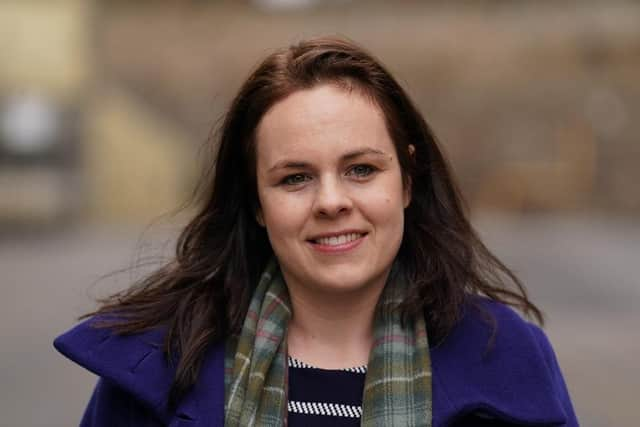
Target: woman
<point>330,276</point>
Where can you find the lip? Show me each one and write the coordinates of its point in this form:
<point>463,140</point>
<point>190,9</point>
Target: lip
<point>345,247</point>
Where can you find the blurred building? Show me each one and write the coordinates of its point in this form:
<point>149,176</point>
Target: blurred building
<point>42,79</point>
<point>72,145</point>
<point>105,103</point>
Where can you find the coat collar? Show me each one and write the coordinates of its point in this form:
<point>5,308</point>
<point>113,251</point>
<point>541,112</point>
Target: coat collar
<point>137,364</point>
<point>511,380</point>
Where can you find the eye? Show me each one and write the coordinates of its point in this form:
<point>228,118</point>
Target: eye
<point>362,170</point>
<point>295,179</point>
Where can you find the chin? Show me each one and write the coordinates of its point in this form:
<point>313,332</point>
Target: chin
<point>346,281</point>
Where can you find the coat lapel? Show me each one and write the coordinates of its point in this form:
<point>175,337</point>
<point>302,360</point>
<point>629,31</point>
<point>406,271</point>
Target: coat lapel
<point>203,406</point>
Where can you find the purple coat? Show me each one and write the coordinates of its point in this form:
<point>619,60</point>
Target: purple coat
<point>517,382</point>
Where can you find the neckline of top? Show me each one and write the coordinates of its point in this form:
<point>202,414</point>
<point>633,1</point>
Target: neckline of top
<point>296,363</point>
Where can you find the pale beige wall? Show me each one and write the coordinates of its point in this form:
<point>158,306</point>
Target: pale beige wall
<point>132,164</point>
<point>136,163</point>
<point>44,46</point>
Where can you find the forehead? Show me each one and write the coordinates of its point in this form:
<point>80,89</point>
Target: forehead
<point>321,121</point>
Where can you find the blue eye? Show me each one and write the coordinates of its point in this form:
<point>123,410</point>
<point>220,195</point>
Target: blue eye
<point>295,179</point>
<point>362,171</point>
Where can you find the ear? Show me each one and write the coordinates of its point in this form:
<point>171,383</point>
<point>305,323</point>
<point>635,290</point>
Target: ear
<point>407,190</point>
<point>259,218</point>
<point>406,197</point>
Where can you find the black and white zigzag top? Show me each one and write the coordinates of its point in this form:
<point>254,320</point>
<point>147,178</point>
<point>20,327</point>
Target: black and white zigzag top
<point>322,397</point>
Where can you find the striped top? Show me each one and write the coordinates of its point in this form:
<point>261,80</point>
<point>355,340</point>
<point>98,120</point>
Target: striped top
<point>321,397</point>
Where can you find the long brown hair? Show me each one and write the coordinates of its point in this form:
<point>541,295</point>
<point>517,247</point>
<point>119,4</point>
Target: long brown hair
<point>202,295</point>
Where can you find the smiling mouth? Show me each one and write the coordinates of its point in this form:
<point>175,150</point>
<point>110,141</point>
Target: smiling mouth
<point>338,240</point>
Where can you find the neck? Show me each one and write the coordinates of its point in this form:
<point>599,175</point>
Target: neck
<point>332,331</point>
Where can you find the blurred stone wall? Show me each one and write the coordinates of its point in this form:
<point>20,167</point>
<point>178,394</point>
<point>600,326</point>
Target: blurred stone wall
<point>534,102</point>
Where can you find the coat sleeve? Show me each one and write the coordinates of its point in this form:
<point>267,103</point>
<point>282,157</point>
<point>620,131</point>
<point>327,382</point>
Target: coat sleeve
<point>111,406</point>
<point>559,386</point>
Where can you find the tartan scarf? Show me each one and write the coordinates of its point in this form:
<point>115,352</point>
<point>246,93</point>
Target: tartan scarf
<point>397,389</point>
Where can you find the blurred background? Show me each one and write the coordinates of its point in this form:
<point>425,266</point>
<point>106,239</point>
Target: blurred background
<point>104,105</point>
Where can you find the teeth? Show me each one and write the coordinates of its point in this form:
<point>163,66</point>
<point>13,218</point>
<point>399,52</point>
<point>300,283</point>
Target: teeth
<point>339,240</point>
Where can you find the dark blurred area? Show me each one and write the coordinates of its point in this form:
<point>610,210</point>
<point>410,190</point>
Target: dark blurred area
<point>104,106</point>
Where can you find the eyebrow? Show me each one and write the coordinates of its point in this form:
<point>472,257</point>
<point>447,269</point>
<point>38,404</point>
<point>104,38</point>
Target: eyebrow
<point>295,164</point>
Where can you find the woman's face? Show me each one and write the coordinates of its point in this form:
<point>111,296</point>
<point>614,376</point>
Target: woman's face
<point>330,190</point>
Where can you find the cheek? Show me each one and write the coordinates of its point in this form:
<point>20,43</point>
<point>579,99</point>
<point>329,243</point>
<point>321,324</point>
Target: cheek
<point>386,215</point>
<point>383,203</point>
<point>284,215</point>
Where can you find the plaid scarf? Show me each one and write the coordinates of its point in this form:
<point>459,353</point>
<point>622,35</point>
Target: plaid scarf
<point>397,390</point>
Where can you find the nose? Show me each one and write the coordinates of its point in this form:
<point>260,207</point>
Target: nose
<point>332,199</point>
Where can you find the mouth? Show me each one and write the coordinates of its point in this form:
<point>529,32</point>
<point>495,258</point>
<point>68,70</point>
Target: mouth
<point>337,242</point>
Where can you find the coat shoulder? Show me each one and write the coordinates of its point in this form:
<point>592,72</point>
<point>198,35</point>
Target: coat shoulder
<point>497,364</point>
<point>489,327</point>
